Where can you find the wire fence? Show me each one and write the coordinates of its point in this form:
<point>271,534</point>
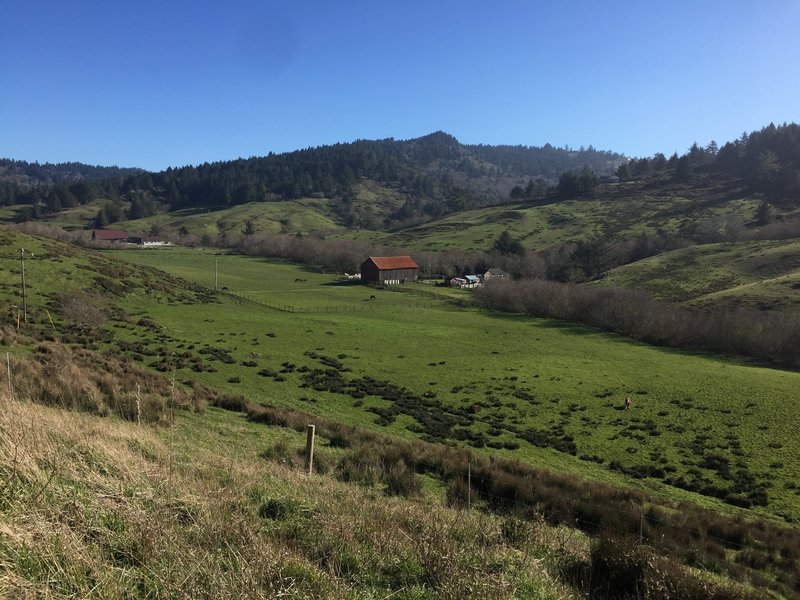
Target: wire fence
<point>371,304</point>
<point>478,490</point>
<point>479,487</point>
<point>365,306</point>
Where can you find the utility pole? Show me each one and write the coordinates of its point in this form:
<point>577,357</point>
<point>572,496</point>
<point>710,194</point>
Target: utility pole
<point>24,293</point>
<point>215,275</point>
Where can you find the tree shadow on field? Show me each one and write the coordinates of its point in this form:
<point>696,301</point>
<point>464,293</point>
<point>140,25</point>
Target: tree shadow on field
<point>545,323</point>
<point>579,329</point>
<point>187,212</point>
<point>343,283</point>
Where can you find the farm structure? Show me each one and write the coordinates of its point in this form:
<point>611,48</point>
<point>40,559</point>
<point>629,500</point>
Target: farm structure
<point>466,282</point>
<point>389,270</point>
<point>494,274</point>
<point>109,235</point>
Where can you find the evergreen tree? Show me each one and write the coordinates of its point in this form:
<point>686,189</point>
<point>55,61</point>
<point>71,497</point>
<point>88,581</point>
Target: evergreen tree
<point>506,244</point>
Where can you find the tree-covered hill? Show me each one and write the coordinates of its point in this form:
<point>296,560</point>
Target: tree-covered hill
<point>48,188</point>
<point>26,173</point>
<point>393,186</point>
<point>435,174</point>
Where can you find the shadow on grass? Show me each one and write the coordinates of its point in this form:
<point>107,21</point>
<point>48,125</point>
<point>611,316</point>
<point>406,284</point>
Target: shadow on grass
<point>344,283</point>
<point>187,212</point>
<point>579,329</point>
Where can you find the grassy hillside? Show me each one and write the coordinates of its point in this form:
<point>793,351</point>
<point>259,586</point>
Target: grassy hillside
<point>96,507</point>
<point>614,211</point>
<point>756,274</point>
<point>507,376</point>
<point>544,393</point>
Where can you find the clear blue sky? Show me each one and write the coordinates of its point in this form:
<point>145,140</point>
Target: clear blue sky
<point>170,83</point>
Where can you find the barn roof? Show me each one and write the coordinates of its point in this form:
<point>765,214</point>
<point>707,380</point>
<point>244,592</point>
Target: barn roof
<point>394,262</point>
<point>109,234</point>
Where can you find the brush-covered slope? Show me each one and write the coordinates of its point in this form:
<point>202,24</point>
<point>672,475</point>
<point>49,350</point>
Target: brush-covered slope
<point>711,205</point>
<point>754,275</point>
<point>96,507</point>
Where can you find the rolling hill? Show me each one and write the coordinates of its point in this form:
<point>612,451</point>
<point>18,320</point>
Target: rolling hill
<point>420,382</point>
<point>762,275</point>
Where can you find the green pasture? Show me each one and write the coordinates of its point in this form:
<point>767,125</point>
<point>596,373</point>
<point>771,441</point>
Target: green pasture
<point>514,374</point>
<point>278,283</point>
<point>78,217</point>
<point>7,213</point>
<point>288,216</point>
<point>50,267</point>
<point>544,392</point>
<point>754,274</point>
<point>616,212</point>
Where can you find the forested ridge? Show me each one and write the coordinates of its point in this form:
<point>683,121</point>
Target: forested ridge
<point>436,172</point>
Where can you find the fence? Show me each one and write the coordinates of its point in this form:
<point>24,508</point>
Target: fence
<point>335,308</point>
<point>476,489</point>
<point>8,371</point>
<point>367,305</point>
<point>637,517</point>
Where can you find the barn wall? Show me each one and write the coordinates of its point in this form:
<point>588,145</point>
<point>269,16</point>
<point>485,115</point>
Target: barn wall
<point>398,275</point>
<point>370,272</point>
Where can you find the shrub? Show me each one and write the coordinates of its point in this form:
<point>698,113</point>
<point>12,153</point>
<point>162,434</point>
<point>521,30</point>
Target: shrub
<point>277,509</point>
<point>401,481</point>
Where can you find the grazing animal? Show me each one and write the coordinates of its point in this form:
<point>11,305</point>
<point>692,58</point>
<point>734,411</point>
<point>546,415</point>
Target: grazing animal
<point>299,280</point>
<point>372,297</point>
<point>627,402</point>
<point>224,288</point>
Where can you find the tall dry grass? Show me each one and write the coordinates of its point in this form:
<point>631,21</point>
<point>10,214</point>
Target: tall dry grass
<point>98,507</point>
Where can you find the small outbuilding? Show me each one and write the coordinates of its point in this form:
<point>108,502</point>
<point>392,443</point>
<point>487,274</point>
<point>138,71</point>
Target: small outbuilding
<point>109,235</point>
<point>472,281</point>
<point>389,270</point>
<point>494,274</point>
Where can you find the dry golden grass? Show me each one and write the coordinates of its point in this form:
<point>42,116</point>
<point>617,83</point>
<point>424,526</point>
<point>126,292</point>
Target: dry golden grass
<point>98,507</point>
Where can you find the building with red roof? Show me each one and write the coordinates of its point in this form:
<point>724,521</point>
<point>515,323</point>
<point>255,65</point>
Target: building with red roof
<point>389,270</point>
<point>109,235</point>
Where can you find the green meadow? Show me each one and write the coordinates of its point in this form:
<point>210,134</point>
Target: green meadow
<point>753,274</point>
<point>289,216</point>
<point>615,212</point>
<point>551,394</point>
<point>715,430</point>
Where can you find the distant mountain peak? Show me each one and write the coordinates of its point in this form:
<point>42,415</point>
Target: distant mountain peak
<point>439,136</point>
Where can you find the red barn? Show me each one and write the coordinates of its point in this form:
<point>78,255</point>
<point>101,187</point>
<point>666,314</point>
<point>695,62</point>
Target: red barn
<point>109,235</point>
<point>389,270</point>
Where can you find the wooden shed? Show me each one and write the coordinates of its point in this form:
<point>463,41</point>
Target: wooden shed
<point>389,270</point>
<point>495,274</point>
<point>109,235</point>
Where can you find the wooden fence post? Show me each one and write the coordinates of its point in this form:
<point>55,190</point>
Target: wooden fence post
<point>641,526</point>
<point>309,449</point>
<point>469,484</point>
<point>10,386</point>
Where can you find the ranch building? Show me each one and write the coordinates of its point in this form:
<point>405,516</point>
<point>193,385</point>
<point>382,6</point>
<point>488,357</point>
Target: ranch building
<point>109,235</point>
<point>389,270</point>
<point>494,274</point>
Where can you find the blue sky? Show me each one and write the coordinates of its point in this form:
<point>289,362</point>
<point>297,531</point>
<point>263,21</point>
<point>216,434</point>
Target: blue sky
<point>158,84</point>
